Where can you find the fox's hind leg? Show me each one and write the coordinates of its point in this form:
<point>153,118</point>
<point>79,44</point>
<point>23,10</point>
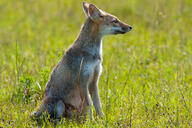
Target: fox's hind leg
<point>55,108</point>
<point>60,109</point>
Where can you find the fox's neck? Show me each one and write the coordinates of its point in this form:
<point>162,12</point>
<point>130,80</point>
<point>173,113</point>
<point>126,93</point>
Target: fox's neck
<point>89,36</point>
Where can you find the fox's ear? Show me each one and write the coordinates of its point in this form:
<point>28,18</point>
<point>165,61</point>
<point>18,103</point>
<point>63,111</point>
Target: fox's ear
<point>94,12</point>
<point>86,8</point>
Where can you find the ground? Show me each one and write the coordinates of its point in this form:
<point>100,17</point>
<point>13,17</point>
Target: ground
<point>147,73</point>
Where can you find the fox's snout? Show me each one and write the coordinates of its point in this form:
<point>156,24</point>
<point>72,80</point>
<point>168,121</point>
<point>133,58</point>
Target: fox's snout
<point>125,29</point>
<point>121,28</point>
<point>128,29</point>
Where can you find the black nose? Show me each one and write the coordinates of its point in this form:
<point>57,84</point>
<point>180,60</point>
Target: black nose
<point>130,27</point>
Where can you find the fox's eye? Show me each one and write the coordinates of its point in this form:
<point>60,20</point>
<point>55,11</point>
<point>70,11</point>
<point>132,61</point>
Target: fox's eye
<point>115,21</point>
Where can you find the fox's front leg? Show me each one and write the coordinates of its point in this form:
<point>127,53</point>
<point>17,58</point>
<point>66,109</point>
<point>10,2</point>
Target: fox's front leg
<point>85,95</point>
<point>93,89</point>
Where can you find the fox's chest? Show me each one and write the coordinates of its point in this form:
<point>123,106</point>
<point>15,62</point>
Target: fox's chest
<point>92,59</point>
<point>89,67</point>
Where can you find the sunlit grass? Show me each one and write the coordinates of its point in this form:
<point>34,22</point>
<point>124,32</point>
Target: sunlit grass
<point>147,73</point>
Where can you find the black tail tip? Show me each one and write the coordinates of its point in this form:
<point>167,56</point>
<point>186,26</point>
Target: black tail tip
<point>35,115</point>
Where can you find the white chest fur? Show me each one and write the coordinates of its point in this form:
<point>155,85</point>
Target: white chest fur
<point>90,67</point>
<point>91,63</point>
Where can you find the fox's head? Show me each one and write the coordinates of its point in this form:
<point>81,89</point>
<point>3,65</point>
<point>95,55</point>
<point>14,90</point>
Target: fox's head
<point>108,24</point>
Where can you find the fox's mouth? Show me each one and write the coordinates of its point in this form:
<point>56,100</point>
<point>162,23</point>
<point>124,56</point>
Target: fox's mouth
<point>119,32</point>
<point>123,31</point>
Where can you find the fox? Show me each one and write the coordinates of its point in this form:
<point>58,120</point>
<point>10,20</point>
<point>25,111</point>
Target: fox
<point>72,88</point>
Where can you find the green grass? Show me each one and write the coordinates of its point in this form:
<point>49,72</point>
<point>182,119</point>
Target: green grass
<point>147,73</point>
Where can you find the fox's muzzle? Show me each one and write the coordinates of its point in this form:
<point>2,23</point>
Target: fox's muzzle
<point>123,30</point>
<point>128,29</point>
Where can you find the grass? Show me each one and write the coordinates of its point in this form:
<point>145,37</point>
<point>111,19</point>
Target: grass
<point>147,73</point>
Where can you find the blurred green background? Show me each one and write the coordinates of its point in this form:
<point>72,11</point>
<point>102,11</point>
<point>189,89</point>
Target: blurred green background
<point>147,73</point>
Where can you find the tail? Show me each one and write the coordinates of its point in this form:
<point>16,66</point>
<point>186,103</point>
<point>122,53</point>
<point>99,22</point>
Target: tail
<point>36,115</point>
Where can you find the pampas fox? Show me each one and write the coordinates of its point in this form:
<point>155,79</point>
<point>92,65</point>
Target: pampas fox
<point>77,74</point>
